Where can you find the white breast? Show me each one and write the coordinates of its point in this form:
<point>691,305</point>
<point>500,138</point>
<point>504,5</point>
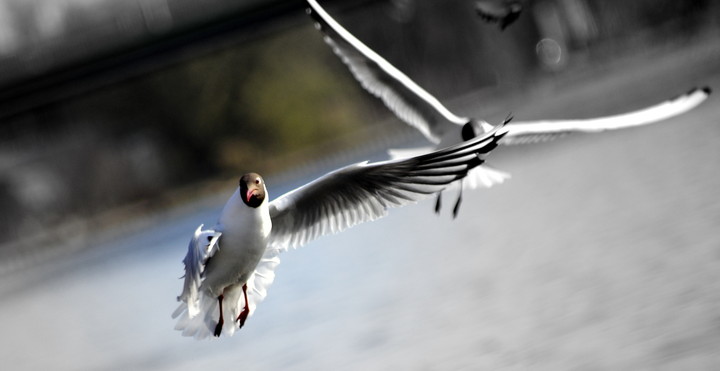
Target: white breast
<point>245,232</point>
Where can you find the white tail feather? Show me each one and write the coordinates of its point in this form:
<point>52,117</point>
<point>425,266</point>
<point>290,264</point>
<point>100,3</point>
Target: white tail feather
<point>202,324</point>
<point>485,176</point>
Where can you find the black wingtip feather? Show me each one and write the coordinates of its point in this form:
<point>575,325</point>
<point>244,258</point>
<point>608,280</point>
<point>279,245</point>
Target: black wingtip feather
<point>508,118</point>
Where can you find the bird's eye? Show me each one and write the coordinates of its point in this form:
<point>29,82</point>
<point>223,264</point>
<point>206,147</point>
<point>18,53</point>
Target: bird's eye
<point>257,181</point>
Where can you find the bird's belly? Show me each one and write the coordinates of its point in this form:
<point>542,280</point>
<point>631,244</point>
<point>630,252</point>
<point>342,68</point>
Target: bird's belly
<point>233,263</point>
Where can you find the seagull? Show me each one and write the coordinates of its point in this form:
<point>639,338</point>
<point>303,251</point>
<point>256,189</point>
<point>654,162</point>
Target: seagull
<point>502,12</point>
<point>424,112</point>
<point>229,267</point>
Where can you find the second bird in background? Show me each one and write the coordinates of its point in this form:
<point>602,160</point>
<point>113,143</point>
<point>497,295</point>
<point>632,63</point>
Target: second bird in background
<point>421,110</point>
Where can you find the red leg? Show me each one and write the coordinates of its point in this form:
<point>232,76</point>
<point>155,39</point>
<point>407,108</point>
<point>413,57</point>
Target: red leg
<point>437,203</point>
<point>246,311</point>
<point>218,328</point>
<point>459,199</point>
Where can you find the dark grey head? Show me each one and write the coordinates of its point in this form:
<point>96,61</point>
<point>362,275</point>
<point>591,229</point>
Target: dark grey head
<point>468,131</point>
<point>252,189</point>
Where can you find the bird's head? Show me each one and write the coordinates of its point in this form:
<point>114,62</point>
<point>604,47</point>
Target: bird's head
<point>473,128</point>
<point>252,189</point>
<point>470,130</point>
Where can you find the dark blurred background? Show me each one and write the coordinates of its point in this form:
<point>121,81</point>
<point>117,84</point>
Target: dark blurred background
<point>112,108</point>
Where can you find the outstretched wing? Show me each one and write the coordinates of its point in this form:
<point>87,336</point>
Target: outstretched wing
<point>536,131</point>
<point>203,246</point>
<point>363,192</point>
<point>401,95</point>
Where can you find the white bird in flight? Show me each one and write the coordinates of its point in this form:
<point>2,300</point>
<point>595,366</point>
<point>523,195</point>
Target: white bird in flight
<point>424,112</point>
<point>228,268</point>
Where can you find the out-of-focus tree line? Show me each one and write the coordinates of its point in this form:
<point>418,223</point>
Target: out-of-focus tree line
<point>267,103</point>
<point>208,118</point>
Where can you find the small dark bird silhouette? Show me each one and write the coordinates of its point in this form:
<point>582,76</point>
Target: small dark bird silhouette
<point>502,12</point>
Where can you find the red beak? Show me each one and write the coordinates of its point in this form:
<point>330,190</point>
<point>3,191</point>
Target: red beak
<point>249,194</point>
